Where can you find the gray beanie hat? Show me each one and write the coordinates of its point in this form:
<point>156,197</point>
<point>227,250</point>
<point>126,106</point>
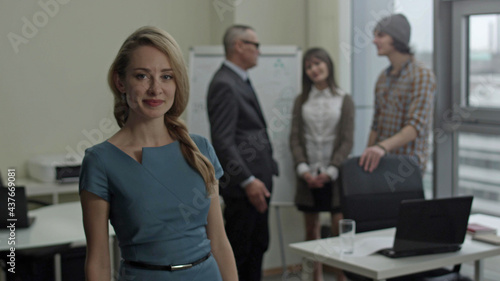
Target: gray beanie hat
<point>397,26</point>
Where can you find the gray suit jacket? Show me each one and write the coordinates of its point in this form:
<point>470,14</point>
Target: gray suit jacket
<point>239,133</point>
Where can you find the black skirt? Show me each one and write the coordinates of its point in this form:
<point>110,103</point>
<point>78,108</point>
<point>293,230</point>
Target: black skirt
<point>322,200</point>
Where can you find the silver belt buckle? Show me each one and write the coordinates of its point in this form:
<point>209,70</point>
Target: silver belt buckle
<point>181,266</point>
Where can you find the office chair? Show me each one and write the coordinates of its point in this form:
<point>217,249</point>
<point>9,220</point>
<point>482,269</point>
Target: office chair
<point>372,200</point>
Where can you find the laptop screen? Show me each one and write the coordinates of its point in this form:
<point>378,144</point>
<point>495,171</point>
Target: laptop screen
<point>429,224</point>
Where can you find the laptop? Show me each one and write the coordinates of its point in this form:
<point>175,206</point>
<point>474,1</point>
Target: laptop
<point>430,226</point>
<point>19,210</point>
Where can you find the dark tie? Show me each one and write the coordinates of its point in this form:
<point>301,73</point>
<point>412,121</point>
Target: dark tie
<point>254,95</point>
<point>256,101</point>
<point>259,110</point>
<point>250,84</point>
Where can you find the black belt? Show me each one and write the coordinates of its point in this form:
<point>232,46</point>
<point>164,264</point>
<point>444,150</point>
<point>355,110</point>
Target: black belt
<point>166,267</point>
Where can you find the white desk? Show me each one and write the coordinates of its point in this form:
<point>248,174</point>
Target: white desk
<point>54,189</point>
<point>54,225</point>
<point>379,267</point>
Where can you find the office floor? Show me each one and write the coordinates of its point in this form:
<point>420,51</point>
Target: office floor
<point>467,269</point>
<point>328,276</point>
<point>491,270</point>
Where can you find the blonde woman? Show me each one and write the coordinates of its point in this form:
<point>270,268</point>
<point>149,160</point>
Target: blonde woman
<point>154,182</point>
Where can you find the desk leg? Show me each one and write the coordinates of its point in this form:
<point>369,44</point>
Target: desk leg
<point>116,257</point>
<point>57,267</point>
<point>112,257</point>
<point>478,270</point>
<point>55,198</point>
<point>280,238</point>
<point>307,269</point>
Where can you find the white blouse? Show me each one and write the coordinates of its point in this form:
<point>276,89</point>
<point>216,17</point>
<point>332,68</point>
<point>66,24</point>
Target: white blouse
<point>321,115</point>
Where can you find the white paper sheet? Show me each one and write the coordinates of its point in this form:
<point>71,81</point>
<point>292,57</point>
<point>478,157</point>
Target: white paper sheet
<point>367,246</point>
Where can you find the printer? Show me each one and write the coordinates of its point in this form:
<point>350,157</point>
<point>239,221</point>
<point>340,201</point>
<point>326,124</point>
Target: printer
<point>55,168</point>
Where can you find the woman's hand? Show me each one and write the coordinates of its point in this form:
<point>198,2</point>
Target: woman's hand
<point>312,181</point>
<point>323,178</point>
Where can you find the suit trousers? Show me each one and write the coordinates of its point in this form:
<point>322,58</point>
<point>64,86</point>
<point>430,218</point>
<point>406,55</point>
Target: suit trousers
<point>248,233</point>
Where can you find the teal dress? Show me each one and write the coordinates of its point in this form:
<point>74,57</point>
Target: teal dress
<point>158,208</point>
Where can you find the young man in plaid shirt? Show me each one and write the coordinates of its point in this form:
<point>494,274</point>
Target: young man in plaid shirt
<point>404,98</point>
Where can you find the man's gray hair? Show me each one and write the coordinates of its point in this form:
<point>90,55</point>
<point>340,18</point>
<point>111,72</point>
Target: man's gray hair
<point>232,34</point>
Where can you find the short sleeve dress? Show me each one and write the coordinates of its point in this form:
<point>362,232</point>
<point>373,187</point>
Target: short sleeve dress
<point>158,208</point>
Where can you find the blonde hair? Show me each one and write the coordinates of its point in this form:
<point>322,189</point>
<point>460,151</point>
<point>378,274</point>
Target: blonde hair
<point>164,42</point>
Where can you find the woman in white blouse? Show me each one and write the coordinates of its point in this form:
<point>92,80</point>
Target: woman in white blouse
<point>321,138</point>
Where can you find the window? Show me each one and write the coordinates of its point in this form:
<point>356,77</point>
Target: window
<point>468,110</point>
<point>476,60</point>
<point>484,61</point>
<point>479,169</point>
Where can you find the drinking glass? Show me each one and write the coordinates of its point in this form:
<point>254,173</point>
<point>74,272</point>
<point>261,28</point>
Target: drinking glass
<point>347,230</point>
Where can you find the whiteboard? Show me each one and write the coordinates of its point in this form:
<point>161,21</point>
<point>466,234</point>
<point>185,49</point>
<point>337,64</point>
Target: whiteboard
<point>276,79</point>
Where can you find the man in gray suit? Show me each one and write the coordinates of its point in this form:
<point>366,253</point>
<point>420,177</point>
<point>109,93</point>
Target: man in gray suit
<point>239,136</point>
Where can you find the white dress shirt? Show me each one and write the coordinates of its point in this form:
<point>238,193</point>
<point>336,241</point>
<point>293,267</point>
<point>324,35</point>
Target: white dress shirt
<point>240,71</point>
<point>321,114</point>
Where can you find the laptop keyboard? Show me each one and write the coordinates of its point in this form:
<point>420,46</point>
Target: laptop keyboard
<point>389,252</point>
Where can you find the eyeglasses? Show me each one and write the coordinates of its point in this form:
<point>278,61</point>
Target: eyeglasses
<point>256,44</point>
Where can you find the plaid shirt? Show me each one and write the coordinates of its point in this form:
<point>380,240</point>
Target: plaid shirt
<point>405,99</point>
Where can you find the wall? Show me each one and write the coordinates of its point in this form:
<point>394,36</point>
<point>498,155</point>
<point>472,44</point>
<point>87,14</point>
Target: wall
<point>55,97</point>
<point>276,22</point>
<point>324,29</point>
